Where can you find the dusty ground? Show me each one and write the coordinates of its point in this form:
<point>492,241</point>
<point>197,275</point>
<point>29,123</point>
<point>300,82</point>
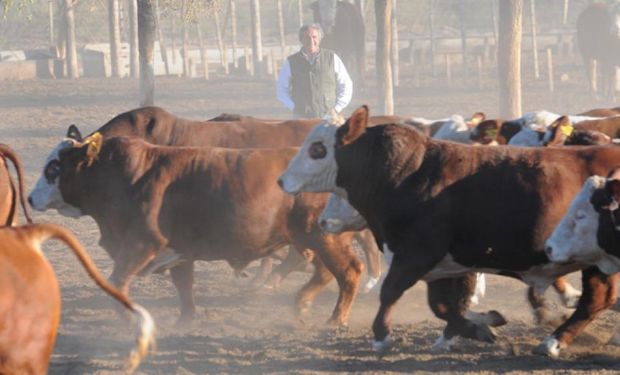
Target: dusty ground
<point>240,330</point>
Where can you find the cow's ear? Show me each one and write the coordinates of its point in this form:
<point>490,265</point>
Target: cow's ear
<point>93,144</point>
<point>356,125</point>
<point>476,119</point>
<point>613,189</point>
<point>74,133</point>
<point>559,130</point>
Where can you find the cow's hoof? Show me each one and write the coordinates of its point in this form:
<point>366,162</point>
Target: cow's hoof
<point>383,346</point>
<point>615,339</point>
<point>303,307</point>
<point>492,318</point>
<point>550,347</point>
<point>443,344</point>
<point>484,333</point>
<point>337,323</point>
<point>370,284</point>
<point>571,298</point>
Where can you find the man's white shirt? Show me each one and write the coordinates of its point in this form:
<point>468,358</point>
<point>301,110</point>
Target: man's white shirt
<point>344,85</point>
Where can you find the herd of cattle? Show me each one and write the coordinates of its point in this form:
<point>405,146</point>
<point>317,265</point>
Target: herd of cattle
<point>166,192</point>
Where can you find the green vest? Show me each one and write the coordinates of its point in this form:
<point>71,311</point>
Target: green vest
<point>313,87</point>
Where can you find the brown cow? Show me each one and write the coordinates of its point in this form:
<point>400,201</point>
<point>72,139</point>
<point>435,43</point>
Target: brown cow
<point>8,194</point>
<point>30,300</point>
<point>205,203</point>
<point>436,207</point>
<point>601,131</point>
<point>158,126</point>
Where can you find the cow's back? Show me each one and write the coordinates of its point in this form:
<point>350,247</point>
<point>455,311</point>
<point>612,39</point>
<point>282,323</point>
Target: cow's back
<point>29,308</point>
<point>8,199</point>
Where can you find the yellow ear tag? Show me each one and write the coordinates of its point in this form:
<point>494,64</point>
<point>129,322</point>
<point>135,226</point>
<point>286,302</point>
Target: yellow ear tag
<point>491,132</point>
<point>94,144</point>
<point>567,130</point>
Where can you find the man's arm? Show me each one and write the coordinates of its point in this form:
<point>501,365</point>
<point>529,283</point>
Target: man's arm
<point>344,85</point>
<point>283,86</point>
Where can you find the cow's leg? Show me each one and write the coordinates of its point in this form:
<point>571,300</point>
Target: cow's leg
<point>294,261</point>
<point>128,263</point>
<point>542,312</point>
<point>568,294</point>
<point>599,292</point>
<point>449,300</point>
<point>373,258</point>
<point>404,272</point>
<point>317,282</point>
<point>341,260</point>
<point>183,280</point>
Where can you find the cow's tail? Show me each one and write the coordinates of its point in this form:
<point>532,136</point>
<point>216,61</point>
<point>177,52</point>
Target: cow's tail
<point>8,152</point>
<point>146,332</point>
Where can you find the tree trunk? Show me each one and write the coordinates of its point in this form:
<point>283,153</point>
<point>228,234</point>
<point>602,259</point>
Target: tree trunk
<point>134,66</point>
<point>160,38</point>
<point>281,29</point>
<point>146,39</point>
<point>71,53</point>
<point>203,51</point>
<point>257,43</point>
<point>220,44</point>
<point>185,42</point>
<point>383,14</point>
<point>509,58</point>
<point>233,31</point>
<point>50,10</point>
<point>115,37</point>
<point>61,41</point>
<point>300,12</point>
<point>395,56</point>
<point>362,8</point>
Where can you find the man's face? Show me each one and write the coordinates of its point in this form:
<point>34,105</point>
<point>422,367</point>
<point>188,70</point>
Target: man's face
<point>311,40</point>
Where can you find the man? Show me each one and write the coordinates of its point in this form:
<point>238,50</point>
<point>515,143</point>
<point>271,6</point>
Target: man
<point>314,82</point>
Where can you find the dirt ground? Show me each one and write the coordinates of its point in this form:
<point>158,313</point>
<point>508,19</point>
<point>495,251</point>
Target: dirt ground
<point>243,330</point>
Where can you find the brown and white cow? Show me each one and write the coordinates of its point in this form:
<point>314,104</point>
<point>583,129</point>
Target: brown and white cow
<point>204,203</point>
<point>9,195</point>
<point>590,230</point>
<point>159,126</point>
<point>30,300</point>
<point>602,131</point>
<point>437,207</point>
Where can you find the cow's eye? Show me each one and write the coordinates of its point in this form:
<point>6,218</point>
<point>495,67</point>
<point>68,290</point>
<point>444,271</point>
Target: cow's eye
<point>52,171</point>
<point>317,150</point>
<point>580,216</point>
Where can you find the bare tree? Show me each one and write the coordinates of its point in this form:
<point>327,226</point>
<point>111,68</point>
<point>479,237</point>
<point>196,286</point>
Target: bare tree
<point>115,37</point>
<point>257,41</point>
<point>134,65</point>
<point>71,51</point>
<point>146,38</point>
<point>383,14</point>
<point>509,57</point>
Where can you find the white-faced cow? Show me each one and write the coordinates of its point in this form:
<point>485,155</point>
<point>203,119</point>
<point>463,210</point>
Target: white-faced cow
<point>436,207</point>
<point>204,203</point>
<point>30,300</point>
<point>590,231</point>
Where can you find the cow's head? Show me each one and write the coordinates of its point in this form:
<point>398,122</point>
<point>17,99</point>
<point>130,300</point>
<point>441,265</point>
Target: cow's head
<point>457,129</point>
<point>339,216</point>
<point>558,132</point>
<point>58,178</point>
<point>487,132</point>
<point>314,167</point>
<point>587,232</point>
